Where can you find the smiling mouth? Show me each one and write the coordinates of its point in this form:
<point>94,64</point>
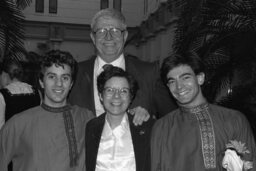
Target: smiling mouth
<point>58,91</point>
<point>116,103</point>
<point>183,93</point>
<point>109,44</point>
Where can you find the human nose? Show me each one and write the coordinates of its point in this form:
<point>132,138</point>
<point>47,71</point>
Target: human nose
<point>59,82</point>
<point>108,35</point>
<point>179,84</point>
<point>117,93</point>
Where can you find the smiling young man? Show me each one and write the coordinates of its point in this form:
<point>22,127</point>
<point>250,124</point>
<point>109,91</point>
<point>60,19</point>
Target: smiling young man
<point>196,136</point>
<point>49,137</point>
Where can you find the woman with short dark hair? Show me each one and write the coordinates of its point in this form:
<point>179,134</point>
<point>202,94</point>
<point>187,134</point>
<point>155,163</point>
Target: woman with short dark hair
<point>113,142</point>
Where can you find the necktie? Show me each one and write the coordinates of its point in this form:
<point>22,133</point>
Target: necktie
<point>107,66</point>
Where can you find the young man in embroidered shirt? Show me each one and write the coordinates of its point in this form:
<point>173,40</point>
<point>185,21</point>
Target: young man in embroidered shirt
<point>49,137</point>
<point>196,136</point>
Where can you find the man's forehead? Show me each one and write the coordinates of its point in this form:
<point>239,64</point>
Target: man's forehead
<point>64,68</point>
<point>108,18</point>
<point>180,70</point>
<point>107,22</point>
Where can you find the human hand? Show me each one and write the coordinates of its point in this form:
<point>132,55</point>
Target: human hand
<point>231,161</point>
<point>140,115</point>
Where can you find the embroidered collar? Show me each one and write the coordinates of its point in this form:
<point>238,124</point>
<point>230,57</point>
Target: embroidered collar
<point>205,124</point>
<point>199,108</point>
<point>55,109</point>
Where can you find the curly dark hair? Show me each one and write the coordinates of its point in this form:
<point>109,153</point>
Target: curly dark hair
<point>58,58</point>
<point>112,71</point>
<point>178,59</point>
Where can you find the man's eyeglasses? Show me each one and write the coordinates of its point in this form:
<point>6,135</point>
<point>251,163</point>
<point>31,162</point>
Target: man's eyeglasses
<point>114,32</point>
<point>123,92</point>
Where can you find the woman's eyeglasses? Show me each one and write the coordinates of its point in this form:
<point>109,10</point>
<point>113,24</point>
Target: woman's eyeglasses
<point>123,92</point>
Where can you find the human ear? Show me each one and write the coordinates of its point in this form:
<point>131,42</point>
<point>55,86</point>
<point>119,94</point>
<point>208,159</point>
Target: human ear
<point>101,98</point>
<point>125,35</point>
<point>92,37</point>
<point>41,83</point>
<point>71,85</point>
<point>201,78</point>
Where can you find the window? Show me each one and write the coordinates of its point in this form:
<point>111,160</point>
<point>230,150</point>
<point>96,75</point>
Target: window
<point>117,4</point>
<point>145,6</point>
<point>40,6</point>
<point>56,32</point>
<point>104,4</point>
<point>53,6</point>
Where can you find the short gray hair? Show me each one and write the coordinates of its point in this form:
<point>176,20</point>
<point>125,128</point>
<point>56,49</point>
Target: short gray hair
<point>109,13</point>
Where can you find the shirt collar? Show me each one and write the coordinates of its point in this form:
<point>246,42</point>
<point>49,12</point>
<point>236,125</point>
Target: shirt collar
<point>55,109</point>
<point>119,62</point>
<point>119,130</point>
<point>199,108</point>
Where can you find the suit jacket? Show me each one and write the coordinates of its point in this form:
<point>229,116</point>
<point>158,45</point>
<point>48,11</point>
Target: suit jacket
<point>140,138</point>
<point>152,94</point>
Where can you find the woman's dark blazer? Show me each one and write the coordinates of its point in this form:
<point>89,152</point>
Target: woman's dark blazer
<point>140,138</point>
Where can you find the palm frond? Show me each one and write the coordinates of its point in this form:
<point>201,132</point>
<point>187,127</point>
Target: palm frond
<point>217,80</point>
<point>237,16</point>
<point>23,3</point>
<point>217,58</point>
<point>11,26</point>
<point>215,17</point>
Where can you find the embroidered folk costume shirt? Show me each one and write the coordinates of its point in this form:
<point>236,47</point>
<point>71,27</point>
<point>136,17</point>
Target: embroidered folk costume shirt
<point>45,139</point>
<point>195,139</point>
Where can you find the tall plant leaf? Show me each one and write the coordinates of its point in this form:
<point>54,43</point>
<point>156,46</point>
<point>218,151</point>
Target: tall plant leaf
<point>11,25</point>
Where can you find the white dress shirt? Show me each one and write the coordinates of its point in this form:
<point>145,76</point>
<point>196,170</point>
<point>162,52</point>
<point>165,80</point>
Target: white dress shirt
<point>99,63</point>
<point>116,152</point>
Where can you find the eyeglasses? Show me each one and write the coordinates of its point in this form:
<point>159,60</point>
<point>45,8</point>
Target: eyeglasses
<point>123,92</point>
<point>114,32</point>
